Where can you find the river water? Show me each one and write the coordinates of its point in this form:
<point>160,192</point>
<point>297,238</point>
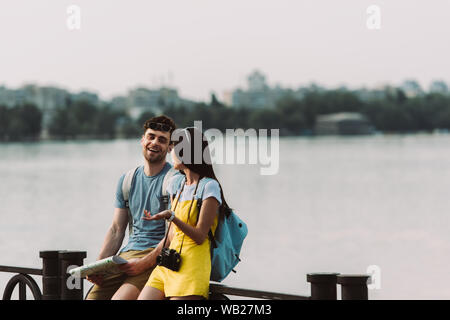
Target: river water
<point>335,205</point>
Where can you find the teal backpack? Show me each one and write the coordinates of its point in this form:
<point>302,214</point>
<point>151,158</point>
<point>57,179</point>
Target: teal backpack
<point>227,241</point>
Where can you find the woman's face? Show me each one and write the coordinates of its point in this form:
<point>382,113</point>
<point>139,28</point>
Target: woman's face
<point>176,162</point>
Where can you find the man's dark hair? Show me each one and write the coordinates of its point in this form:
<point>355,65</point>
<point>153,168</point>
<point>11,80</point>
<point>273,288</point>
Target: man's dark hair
<point>162,120</point>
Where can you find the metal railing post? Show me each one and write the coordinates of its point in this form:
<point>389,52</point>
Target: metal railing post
<point>50,275</point>
<point>353,286</point>
<point>70,290</point>
<point>323,285</point>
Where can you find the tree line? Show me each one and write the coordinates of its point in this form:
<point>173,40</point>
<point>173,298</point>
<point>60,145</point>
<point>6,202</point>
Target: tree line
<point>22,122</point>
<point>392,111</point>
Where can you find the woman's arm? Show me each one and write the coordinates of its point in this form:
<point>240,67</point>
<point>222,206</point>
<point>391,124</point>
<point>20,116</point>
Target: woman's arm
<point>170,237</point>
<point>199,233</point>
<point>208,213</point>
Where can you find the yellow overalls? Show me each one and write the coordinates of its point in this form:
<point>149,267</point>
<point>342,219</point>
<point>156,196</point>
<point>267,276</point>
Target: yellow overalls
<point>193,276</point>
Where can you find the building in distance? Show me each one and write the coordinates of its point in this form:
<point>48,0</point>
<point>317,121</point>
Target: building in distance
<point>343,123</point>
<point>258,94</point>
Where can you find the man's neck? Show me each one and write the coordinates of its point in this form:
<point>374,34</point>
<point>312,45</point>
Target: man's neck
<point>152,169</point>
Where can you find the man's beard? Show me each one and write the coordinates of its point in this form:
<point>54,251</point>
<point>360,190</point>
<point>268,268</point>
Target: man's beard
<point>160,157</point>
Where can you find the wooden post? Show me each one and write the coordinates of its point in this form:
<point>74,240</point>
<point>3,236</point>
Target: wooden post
<point>323,285</point>
<point>50,275</point>
<point>353,286</point>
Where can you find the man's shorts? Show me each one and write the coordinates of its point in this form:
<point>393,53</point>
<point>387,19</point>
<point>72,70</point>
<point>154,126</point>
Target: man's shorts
<point>112,283</point>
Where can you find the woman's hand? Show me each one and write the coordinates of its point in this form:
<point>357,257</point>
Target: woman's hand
<point>161,215</point>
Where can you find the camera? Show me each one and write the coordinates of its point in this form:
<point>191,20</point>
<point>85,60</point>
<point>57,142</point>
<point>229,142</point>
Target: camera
<point>169,258</point>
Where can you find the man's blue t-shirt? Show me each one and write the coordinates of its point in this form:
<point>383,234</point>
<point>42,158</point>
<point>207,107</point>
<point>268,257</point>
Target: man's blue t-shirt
<point>144,200</point>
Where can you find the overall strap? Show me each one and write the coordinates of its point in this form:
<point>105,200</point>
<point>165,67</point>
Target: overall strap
<point>189,213</point>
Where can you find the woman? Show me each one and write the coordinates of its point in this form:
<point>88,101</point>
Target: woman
<point>190,225</point>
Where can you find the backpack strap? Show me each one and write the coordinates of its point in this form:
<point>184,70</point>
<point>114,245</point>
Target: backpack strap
<point>126,186</point>
<point>201,188</point>
<point>165,184</point>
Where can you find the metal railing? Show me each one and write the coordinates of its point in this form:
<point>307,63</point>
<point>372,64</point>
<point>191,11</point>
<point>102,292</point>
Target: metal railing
<point>55,282</point>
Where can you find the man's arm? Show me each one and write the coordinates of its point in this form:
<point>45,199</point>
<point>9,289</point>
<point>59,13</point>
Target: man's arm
<point>113,240</point>
<point>115,234</point>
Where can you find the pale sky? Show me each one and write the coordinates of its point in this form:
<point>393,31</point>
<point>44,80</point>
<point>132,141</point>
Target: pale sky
<point>211,45</point>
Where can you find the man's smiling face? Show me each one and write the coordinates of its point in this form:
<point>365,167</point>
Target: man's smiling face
<point>155,145</point>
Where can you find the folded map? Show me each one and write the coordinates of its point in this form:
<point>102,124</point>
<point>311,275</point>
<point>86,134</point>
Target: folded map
<point>105,266</point>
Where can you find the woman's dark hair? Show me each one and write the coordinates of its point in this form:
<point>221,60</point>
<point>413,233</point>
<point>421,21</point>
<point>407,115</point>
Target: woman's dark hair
<point>191,147</point>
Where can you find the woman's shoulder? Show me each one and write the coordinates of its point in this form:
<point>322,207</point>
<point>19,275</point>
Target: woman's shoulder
<point>175,183</point>
<point>208,183</point>
<point>211,183</point>
<point>211,189</point>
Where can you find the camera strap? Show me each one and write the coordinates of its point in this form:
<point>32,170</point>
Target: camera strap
<point>176,204</point>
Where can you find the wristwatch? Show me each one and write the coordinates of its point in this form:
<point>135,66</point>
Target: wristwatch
<point>171,217</point>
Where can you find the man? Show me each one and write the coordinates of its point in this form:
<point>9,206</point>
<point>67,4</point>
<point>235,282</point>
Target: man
<point>145,241</point>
